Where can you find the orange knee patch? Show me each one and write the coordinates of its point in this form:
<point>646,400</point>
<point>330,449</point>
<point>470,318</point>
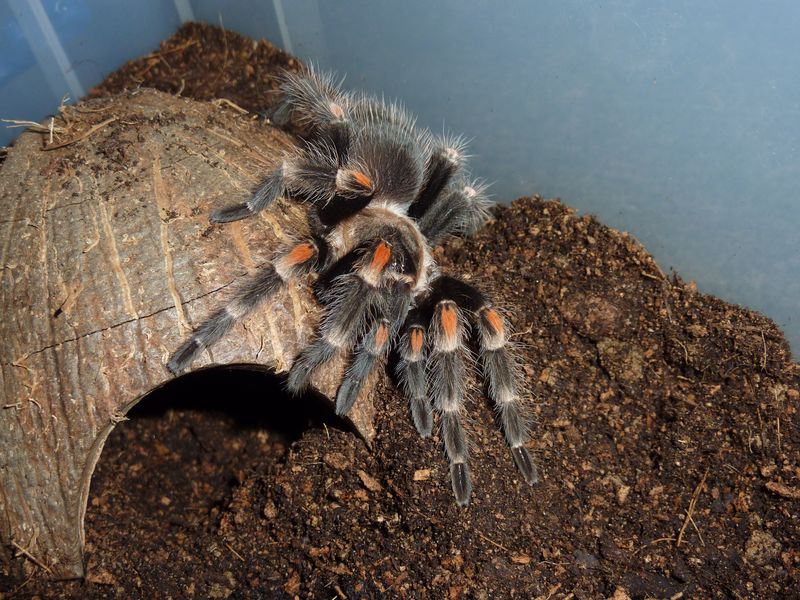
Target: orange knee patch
<point>362,179</point>
<point>417,338</point>
<point>381,337</point>
<point>449,319</point>
<point>494,320</point>
<point>336,110</point>
<point>354,183</point>
<point>380,257</point>
<point>301,253</point>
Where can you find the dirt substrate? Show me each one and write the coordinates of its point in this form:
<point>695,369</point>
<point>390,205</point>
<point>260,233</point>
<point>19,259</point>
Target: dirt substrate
<point>666,432</point>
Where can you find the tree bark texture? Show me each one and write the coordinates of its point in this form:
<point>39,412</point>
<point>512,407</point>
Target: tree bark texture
<point>108,261</point>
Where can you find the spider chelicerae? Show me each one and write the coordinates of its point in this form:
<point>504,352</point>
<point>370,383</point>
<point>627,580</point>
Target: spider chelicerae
<point>381,192</point>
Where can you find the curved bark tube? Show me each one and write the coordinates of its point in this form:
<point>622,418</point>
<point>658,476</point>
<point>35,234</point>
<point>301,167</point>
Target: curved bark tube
<point>108,262</point>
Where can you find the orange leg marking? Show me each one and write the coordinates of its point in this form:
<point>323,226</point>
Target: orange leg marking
<point>336,110</point>
<point>417,338</point>
<point>449,320</point>
<point>354,182</point>
<point>301,253</point>
<point>381,337</point>
<point>494,320</point>
<point>380,257</point>
<point>362,179</point>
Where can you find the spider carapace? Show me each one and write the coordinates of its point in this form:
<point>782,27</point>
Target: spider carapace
<point>381,193</point>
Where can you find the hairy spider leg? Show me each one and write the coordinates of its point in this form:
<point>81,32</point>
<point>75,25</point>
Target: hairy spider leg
<point>385,165</point>
<point>444,162</point>
<point>446,383</point>
<point>318,102</point>
<point>319,105</point>
<point>265,194</point>
<point>313,96</point>
<point>375,345</point>
<point>314,174</point>
<point>299,259</point>
<point>410,371</point>
<point>462,208</point>
<point>498,367</point>
<point>351,303</point>
<point>500,373</point>
<point>368,110</point>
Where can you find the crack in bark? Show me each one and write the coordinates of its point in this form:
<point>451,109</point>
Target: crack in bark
<point>116,263</point>
<point>114,326</point>
<point>160,192</point>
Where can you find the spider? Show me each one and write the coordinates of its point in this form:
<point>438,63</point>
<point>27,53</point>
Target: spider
<point>381,193</point>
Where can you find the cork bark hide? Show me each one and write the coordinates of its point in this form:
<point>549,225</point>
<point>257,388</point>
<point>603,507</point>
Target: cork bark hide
<point>108,261</point>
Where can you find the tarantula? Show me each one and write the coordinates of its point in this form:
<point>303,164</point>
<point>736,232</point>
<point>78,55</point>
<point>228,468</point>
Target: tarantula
<point>381,193</point>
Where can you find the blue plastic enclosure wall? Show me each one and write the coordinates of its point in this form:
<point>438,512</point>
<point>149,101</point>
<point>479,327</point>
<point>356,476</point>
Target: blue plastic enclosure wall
<point>678,121</point>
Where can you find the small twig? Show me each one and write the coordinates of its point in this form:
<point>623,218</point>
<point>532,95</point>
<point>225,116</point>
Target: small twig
<point>552,562</point>
<point>552,591</point>
<point>732,468</point>
<point>233,105</point>
<point>32,125</point>
<point>183,46</point>
<point>685,351</point>
<point>85,109</point>
<point>526,332</point>
<point>235,553</point>
<point>29,124</point>
<point>690,510</point>
<point>154,58</point>
<point>26,553</point>
<point>18,589</point>
<point>656,541</point>
<point>84,135</point>
<point>691,520</point>
<point>492,542</point>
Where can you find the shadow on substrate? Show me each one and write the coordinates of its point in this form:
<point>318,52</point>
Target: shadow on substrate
<point>250,396</point>
<point>167,474</point>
